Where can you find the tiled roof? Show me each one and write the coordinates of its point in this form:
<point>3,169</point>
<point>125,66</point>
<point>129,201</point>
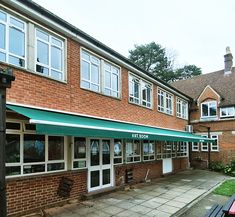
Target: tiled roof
<point>224,85</point>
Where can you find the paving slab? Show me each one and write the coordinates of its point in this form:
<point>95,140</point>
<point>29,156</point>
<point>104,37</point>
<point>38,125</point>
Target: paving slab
<point>162,197</point>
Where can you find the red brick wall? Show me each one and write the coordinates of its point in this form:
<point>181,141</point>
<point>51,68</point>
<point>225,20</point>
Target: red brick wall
<point>180,164</point>
<point>36,90</point>
<point>139,171</point>
<point>33,192</point>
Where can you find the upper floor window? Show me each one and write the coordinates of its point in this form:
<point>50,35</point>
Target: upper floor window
<point>94,70</point>
<point>182,108</point>
<point>165,102</point>
<point>195,146</point>
<point>12,40</point>
<point>140,91</point>
<point>49,55</point>
<point>111,75</point>
<point>208,109</point>
<point>227,112</point>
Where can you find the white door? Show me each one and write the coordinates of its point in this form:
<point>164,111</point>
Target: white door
<point>100,172</point>
<point>167,165</point>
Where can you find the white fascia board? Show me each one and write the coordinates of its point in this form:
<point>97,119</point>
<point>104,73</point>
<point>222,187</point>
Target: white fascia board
<point>88,44</point>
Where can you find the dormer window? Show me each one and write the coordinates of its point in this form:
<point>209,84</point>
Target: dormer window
<point>209,109</point>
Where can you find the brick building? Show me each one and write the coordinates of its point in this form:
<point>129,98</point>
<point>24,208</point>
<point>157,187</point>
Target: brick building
<point>81,111</point>
<point>213,113</point>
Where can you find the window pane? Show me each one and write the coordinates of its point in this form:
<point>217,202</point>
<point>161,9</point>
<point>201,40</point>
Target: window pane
<point>12,171</point>
<point>136,147</point>
<point>42,35</point>
<point>34,148</point>
<point>79,164</point>
<point>42,53</point>
<point>213,110</point>
<point>94,87</point>
<point>3,16</point>
<point>57,75</point>
<point>12,148</point>
<point>2,36</point>
<point>107,79</point>
<point>117,148</point>
<point>230,111</point>
<point>79,148</point>
<point>55,166</point>
<point>129,149</point>
<point>85,84</point>
<point>204,110</point>
<point>13,126</point>
<point>55,148</point>
<point>115,82</point>
<point>56,42</point>
<point>106,151</point>
<point>95,74</point>
<point>85,56</point>
<point>106,176</point>
<point>16,42</point>
<point>17,23</point>
<point>85,70</point>
<point>94,151</point>
<point>16,61</point>
<point>2,57</point>
<point>136,90</point>
<point>107,91</point>
<point>56,58</point>
<point>34,168</point>
<point>42,70</point>
<point>146,148</point>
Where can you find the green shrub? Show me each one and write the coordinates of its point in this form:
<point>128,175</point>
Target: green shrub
<point>216,166</point>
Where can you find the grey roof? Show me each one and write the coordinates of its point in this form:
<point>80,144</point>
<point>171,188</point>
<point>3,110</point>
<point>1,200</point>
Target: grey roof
<point>223,84</point>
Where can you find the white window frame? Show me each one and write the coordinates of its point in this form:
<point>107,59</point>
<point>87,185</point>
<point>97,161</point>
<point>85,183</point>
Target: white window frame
<point>112,72</point>
<point>133,155</point>
<point>8,25</point>
<point>101,84</point>
<point>204,145</point>
<point>141,84</point>
<point>21,164</point>
<point>78,159</point>
<point>182,149</point>
<point>226,111</point>
<point>213,136</point>
<point>149,155</point>
<point>195,146</point>
<point>168,98</point>
<point>181,106</point>
<point>118,157</point>
<point>208,104</point>
<point>50,45</point>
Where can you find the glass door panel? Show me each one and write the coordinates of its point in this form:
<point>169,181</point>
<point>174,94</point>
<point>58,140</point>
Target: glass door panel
<point>106,152</point>
<point>95,178</point>
<point>95,152</point>
<point>106,176</point>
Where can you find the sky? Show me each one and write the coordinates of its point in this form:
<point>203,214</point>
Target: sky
<point>193,31</point>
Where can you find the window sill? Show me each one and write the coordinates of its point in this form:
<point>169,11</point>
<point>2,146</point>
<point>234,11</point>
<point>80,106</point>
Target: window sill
<point>186,119</point>
<point>32,72</point>
<point>142,106</point>
<point>211,118</point>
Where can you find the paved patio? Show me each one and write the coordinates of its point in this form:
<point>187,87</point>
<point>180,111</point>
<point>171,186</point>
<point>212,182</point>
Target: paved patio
<point>169,196</point>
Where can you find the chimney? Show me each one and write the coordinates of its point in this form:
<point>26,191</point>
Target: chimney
<point>228,62</point>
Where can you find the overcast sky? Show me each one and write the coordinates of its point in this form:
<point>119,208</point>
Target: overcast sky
<point>197,31</point>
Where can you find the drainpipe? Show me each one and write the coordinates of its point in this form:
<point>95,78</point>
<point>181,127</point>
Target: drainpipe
<point>190,144</point>
<point>6,77</point>
<point>209,146</point>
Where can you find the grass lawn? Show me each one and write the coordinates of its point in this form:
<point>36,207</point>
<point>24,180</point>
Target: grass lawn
<point>226,189</point>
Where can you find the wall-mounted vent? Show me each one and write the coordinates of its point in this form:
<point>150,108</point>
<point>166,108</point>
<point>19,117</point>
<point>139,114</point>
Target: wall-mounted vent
<point>189,128</point>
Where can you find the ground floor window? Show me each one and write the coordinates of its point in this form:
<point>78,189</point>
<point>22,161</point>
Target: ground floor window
<point>29,153</point>
<point>148,150</point>
<point>195,146</point>
<point>182,150</point>
<point>133,151</point>
<point>215,146</point>
<point>117,151</point>
<point>79,150</point>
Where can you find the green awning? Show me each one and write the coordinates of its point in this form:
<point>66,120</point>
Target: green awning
<point>55,123</point>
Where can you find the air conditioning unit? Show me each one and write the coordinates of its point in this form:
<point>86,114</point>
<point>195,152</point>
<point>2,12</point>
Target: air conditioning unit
<point>189,128</point>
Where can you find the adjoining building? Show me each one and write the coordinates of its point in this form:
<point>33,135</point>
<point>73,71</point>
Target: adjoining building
<point>212,113</point>
<point>81,118</point>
